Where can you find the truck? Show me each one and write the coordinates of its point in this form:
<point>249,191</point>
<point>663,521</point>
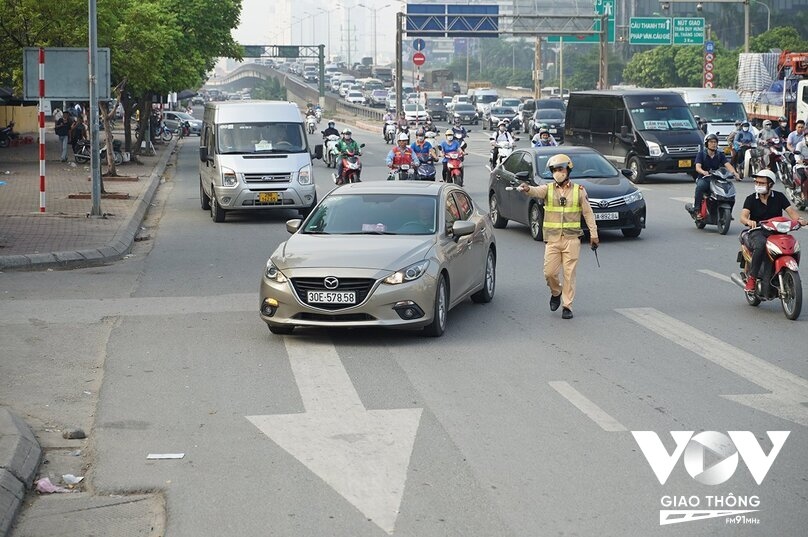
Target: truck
<point>718,108</point>
<point>385,74</point>
<point>774,85</point>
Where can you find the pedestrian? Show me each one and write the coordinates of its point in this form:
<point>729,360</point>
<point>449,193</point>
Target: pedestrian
<point>564,204</point>
<point>63,126</point>
<point>78,133</point>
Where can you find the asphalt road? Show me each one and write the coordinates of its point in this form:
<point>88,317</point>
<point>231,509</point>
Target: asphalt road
<point>515,423</point>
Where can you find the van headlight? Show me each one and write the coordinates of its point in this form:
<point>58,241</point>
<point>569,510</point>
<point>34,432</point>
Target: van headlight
<point>304,175</point>
<point>631,198</point>
<point>408,274</point>
<point>229,178</point>
<point>273,273</point>
<point>653,149</point>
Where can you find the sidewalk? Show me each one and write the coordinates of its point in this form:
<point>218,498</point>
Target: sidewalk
<point>65,237</point>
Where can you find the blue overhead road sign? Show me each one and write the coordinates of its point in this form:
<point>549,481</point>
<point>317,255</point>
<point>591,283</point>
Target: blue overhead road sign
<point>452,20</point>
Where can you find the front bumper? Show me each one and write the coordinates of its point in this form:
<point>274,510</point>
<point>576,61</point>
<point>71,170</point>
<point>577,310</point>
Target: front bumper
<point>290,196</point>
<point>685,163</point>
<point>377,309</point>
<point>631,216</point>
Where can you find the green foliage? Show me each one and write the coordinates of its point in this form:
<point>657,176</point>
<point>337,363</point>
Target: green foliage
<point>680,66</point>
<point>270,90</point>
<point>582,68</point>
<point>781,37</point>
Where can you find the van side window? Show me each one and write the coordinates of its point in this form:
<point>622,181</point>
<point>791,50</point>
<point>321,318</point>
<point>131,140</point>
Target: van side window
<point>580,118</point>
<point>602,120</point>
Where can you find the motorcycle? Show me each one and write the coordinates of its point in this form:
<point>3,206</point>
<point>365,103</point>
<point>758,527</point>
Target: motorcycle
<point>389,131</point>
<point>183,129</point>
<point>82,152</point>
<point>781,277</point>
<point>716,206</point>
<point>7,134</point>
<point>776,158</point>
<point>404,172</point>
<point>162,133</point>
<point>331,152</point>
<point>351,169</point>
<point>504,150</point>
<point>318,114</point>
<point>426,168</point>
<point>797,186</point>
<point>311,124</point>
<point>454,164</point>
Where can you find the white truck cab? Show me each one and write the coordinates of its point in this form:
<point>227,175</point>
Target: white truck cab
<point>719,108</point>
<point>254,155</point>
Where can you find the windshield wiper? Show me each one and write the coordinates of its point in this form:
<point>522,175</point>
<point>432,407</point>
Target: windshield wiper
<point>370,233</point>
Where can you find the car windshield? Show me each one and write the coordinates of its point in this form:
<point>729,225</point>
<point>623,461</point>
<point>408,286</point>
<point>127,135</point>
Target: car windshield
<point>585,165</point>
<point>379,93</point>
<point>374,214</point>
<point>414,108</point>
<point>719,112</point>
<point>510,102</point>
<point>462,107</point>
<point>502,111</point>
<point>557,104</point>
<point>354,94</point>
<point>549,113</point>
<point>240,138</point>
<point>662,118</point>
<point>485,99</point>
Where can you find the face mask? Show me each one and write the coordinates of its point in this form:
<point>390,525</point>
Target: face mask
<point>760,189</point>
<point>560,177</point>
<point>783,124</point>
<point>746,129</point>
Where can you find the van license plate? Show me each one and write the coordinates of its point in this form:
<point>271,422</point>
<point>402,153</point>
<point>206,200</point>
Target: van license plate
<point>268,197</point>
<point>684,163</point>
<point>607,216</point>
<point>331,297</point>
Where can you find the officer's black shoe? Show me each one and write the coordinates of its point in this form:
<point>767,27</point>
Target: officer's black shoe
<point>566,313</point>
<point>555,301</point>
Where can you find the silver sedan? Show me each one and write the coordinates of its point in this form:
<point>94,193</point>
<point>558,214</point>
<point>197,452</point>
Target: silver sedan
<point>398,254</point>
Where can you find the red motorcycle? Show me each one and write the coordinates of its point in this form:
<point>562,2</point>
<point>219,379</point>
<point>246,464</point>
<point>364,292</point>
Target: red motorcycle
<point>775,158</point>
<point>780,277</point>
<point>454,165</point>
<point>351,169</point>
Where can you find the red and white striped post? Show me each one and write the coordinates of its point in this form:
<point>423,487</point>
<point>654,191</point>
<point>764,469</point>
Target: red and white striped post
<point>42,130</point>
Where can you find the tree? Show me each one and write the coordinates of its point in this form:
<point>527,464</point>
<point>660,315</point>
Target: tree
<point>680,66</point>
<point>781,37</point>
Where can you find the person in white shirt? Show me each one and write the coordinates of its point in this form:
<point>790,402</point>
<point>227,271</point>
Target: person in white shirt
<point>502,135</point>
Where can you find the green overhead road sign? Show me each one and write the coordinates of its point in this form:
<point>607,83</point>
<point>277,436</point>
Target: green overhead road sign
<point>688,31</point>
<point>602,7</point>
<point>649,31</point>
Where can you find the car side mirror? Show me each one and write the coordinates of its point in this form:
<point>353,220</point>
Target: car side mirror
<point>293,225</point>
<point>318,151</point>
<point>523,175</point>
<point>623,130</point>
<point>629,174</point>
<point>203,153</point>
<point>461,228</point>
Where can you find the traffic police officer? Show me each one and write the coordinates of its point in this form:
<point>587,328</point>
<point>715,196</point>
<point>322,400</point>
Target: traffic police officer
<point>564,204</point>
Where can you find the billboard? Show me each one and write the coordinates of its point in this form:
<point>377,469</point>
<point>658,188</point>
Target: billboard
<point>67,73</point>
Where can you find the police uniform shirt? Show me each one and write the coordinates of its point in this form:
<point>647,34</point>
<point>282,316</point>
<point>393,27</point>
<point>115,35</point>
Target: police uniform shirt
<point>774,206</point>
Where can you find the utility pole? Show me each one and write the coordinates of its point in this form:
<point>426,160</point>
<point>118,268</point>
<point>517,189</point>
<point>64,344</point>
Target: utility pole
<point>537,72</point>
<point>95,164</point>
<point>399,62</point>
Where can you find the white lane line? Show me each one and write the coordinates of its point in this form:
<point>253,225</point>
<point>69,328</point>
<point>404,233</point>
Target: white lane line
<point>684,200</point>
<point>716,275</point>
<point>592,411</point>
<point>789,392</point>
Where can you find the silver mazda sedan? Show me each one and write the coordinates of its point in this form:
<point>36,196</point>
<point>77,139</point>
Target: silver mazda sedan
<point>392,254</point>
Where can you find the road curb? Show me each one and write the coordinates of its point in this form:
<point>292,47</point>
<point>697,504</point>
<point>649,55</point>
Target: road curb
<point>20,455</point>
<point>119,246</point>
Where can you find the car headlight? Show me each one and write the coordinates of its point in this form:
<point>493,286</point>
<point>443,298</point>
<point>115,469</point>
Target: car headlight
<point>273,273</point>
<point>413,272</point>
<point>653,149</point>
<point>229,178</point>
<point>304,175</point>
<point>634,196</point>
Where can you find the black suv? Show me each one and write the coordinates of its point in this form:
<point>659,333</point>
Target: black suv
<point>436,109</point>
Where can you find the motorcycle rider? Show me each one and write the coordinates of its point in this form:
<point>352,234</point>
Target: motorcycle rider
<point>449,145</point>
<point>388,116</point>
<point>430,127</point>
<point>544,139</point>
<point>782,129</point>
<point>401,123</point>
<point>796,136</point>
<point>331,129</point>
<point>458,128</point>
<point>766,134</point>
<point>731,139</point>
<point>765,203</point>
<point>421,147</point>
<point>742,143</point>
<point>345,146</point>
<point>400,154</point>
<point>564,204</point>
<point>502,135</point>
<point>707,161</point>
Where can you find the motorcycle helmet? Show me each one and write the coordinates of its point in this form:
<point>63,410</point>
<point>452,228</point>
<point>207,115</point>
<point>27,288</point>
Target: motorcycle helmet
<point>767,124</point>
<point>768,174</point>
<point>544,130</point>
<point>559,160</point>
<point>783,119</point>
<point>403,137</point>
<point>745,124</point>
<point>449,132</point>
<point>331,124</point>
<point>420,133</point>
<point>710,137</point>
<point>346,131</point>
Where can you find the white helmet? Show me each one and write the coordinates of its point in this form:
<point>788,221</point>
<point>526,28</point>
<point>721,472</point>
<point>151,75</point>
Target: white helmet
<point>404,137</point>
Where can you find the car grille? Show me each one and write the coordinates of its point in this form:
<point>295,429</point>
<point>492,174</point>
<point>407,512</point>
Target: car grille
<point>681,149</point>
<point>605,204</point>
<point>267,177</point>
<point>362,287</point>
<point>325,318</point>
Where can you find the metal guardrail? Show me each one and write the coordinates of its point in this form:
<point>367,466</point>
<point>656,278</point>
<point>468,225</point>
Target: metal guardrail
<point>361,111</point>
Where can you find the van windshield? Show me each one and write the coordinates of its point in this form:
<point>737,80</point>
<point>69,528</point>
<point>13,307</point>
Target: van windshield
<point>485,99</point>
<point>719,112</point>
<point>241,138</point>
<point>662,118</point>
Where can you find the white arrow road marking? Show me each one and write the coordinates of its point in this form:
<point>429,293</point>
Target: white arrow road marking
<point>789,392</point>
<point>362,454</point>
<point>593,411</point>
<point>716,275</point>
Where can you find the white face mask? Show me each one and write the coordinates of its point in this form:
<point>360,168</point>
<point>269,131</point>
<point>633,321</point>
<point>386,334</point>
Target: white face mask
<point>760,189</point>
<point>746,129</point>
<point>560,177</point>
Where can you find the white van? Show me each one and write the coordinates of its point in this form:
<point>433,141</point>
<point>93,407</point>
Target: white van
<point>720,108</point>
<point>482,99</point>
<point>255,155</point>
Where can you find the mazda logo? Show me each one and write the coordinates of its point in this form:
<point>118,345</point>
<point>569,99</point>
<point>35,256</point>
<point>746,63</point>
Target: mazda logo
<point>330,282</point>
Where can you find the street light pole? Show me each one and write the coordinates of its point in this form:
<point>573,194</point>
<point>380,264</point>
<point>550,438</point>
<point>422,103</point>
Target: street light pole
<point>373,11</point>
<point>768,15</point>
